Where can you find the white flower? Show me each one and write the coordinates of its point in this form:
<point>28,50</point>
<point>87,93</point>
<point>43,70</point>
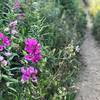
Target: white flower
<point>4,63</point>
<point>14,23</point>
<point>7,54</point>
<point>14,32</point>
<point>36,5</point>
<point>6,29</point>
<point>77,49</point>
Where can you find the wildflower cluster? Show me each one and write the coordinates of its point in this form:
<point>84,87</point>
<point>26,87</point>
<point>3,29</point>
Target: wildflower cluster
<point>27,73</point>
<point>16,5</point>
<point>4,41</point>
<point>32,47</point>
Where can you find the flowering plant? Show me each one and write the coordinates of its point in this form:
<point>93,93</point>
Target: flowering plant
<point>29,72</point>
<point>38,49</point>
<point>4,41</point>
<point>32,47</point>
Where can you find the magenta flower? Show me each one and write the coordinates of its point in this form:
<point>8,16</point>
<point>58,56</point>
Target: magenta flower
<point>28,57</point>
<point>5,41</point>
<point>33,58</point>
<point>1,35</point>
<point>32,47</point>
<point>28,73</point>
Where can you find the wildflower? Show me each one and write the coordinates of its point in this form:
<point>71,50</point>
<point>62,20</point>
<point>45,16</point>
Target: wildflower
<point>28,57</point>
<point>1,35</point>
<point>13,24</point>
<point>1,58</point>
<point>28,73</point>
<point>7,54</point>
<point>33,58</point>
<point>14,32</point>
<point>36,5</point>
<point>16,5</point>
<point>1,48</point>
<point>4,63</point>
<point>5,41</point>
<point>6,29</point>
<point>77,49</point>
<point>32,47</point>
<point>12,27</point>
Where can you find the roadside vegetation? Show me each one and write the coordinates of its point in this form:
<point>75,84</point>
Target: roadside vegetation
<point>39,46</point>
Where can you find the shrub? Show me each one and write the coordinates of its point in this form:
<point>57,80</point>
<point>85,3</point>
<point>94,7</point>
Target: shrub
<point>96,26</point>
<point>74,16</point>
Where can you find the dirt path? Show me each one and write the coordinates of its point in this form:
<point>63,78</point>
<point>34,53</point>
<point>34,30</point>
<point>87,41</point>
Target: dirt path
<point>89,85</point>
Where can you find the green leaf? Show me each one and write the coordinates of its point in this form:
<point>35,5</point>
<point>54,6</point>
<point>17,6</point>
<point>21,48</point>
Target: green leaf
<point>7,78</point>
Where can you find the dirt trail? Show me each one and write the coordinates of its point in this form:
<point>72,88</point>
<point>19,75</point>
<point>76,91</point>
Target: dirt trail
<point>89,85</point>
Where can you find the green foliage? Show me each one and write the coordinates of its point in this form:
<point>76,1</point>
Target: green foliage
<point>96,26</point>
<point>74,16</point>
<point>58,25</point>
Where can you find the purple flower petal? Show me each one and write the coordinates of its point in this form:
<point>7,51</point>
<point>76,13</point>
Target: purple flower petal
<point>28,57</point>
<point>34,78</point>
<point>1,58</point>
<point>24,78</point>
<point>1,35</point>
<point>27,73</point>
<point>1,48</point>
<point>23,70</point>
<point>33,70</point>
<point>32,47</point>
<point>6,41</point>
